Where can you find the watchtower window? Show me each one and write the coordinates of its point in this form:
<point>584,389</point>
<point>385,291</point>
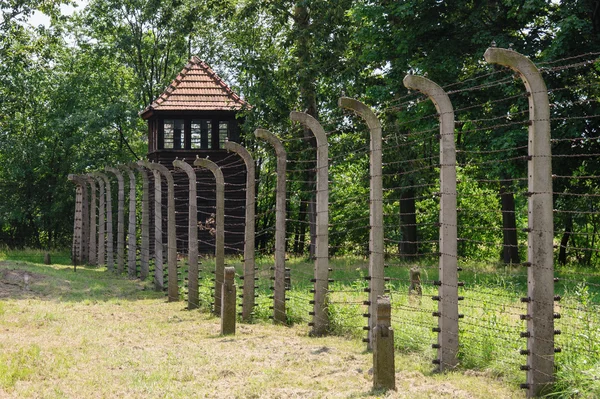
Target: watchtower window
<point>201,132</point>
<point>174,136</point>
<point>223,133</point>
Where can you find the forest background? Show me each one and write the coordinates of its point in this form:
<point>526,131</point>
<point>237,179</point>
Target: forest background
<point>71,90</point>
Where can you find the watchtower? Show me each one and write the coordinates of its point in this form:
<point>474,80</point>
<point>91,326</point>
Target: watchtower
<point>193,117</point>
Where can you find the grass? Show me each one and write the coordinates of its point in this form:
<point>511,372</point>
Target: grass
<point>490,341</point>
<point>89,333</point>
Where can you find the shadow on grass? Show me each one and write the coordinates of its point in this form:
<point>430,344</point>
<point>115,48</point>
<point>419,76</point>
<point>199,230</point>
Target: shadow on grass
<point>29,280</point>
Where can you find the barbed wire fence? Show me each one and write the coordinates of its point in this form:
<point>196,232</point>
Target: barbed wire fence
<point>491,119</point>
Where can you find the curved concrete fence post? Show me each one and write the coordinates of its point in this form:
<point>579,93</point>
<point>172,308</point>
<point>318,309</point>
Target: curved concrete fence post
<point>173,287</point>
<point>101,219</point>
<point>249,263</point>
<point>120,218</point>
<point>279,315</point>
<point>93,250</point>
<point>77,247</point>
<point>145,243</point>
<point>448,268</point>
<point>540,279</point>
<point>131,229</point>
<point>110,251</point>
<point>193,300</point>
<point>320,322</point>
<point>376,243</point>
<point>220,228</point>
<point>159,283</point>
<point>85,220</point>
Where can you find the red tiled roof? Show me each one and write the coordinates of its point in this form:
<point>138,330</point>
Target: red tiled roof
<point>197,88</point>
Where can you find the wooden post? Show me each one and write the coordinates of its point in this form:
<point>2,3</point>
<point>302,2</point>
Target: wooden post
<point>145,244</point>
<point>131,230</point>
<point>384,369</point>
<point>173,287</point>
<point>540,272</point>
<point>193,301</point>
<point>376,238</point>
<point>448,268</point>
<point>120,219</point>
<point>279,315</point>
<point>220,227</point>
<point>249,263</point>
<point>228,312</point>
<point>320,313</point>
<point>93,253</point>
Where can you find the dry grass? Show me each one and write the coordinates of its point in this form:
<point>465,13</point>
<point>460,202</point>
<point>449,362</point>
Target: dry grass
<point>92,335</point>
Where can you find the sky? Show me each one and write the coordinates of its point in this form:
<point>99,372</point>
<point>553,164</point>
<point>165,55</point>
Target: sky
<point>39,18</point>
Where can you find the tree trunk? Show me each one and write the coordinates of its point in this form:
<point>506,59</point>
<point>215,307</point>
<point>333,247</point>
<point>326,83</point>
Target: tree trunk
<point>301,230</point>
<point>408,225</point>
<point>308,97</point>
<point>564,241</point>
<point>510,248</point>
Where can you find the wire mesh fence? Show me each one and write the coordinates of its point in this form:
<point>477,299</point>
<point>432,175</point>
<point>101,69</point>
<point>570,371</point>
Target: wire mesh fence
<point>492,115</point>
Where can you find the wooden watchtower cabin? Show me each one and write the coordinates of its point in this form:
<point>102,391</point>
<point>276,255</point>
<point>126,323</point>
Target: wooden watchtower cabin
<point>193,117</point>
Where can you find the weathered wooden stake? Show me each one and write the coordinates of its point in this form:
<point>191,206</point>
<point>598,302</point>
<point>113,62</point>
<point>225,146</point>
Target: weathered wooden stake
<point>540,273</point>
<point>376,238</point>
<point>415,283</point>
<point>120,218</point>
<point>279,315</point>
<point>448,268</point>
<point>249,263</point>
<point>228,298</point>
<point>384,368</point>
<point>320,313</point>
<point>193,301</point>
<point>220,227</point>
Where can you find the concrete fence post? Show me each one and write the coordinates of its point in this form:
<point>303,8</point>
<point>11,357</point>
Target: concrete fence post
<point>145,243</point>
<point>384,368</point>
<point>120,218</point>
<point>93,250</point>
<point>279,315</point>
<point>447,345</point>
<point>131,230</point>
<point>173,287</point>
<point>159,283</point>
<point>249,263</point>
<point>540,279</point>
<point>193,301</point>
<point>228,296</point>
<point>101,219</point>
<point>77,247</point>
<point>110,239</point>
<point>85,220</point>
<point>320,313</point>
<point>376,243</point>
<point>220,227</point>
